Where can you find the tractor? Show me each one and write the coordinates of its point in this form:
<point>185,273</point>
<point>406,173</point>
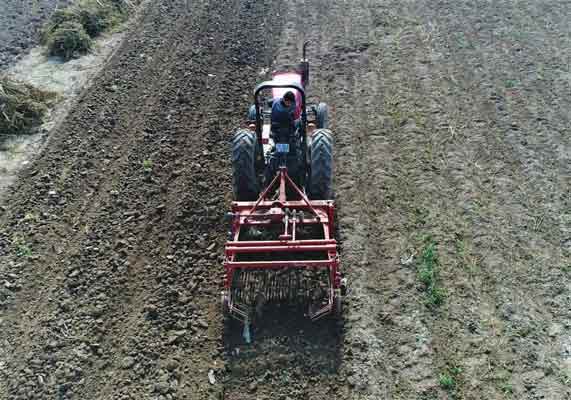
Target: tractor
<point>281,247</point>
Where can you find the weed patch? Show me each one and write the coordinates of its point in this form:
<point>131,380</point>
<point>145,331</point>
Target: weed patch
<point>506,388</point>
<point>22,249</point>
<point>148,166</point>
<point>446,381</point>
<point>450,378</point>
<point>427,274</point>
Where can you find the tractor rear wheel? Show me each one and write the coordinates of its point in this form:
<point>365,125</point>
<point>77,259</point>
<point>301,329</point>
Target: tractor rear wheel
<point>244,177</point>
<point>322,116</point>
<point>321,168</point>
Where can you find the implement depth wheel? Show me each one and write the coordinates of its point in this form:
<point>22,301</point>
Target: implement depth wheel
<point>244,177</point>
<point>338,305</point>
<point>321,172</point>
<point>224,303</point>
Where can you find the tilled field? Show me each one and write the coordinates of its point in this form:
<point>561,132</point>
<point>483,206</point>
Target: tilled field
<point>451,122</point>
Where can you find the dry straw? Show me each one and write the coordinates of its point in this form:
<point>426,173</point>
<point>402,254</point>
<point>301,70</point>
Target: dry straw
<point>22,107</point>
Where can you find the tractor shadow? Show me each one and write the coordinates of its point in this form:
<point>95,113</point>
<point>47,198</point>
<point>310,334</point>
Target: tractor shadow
<point>285,345</point>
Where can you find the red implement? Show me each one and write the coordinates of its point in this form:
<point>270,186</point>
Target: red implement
<point>282,250</point>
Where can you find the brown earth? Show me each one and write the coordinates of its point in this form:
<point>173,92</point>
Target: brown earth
<point>452,126</point>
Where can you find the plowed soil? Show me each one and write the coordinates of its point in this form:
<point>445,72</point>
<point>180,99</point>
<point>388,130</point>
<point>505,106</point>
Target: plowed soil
<point>451,121</point>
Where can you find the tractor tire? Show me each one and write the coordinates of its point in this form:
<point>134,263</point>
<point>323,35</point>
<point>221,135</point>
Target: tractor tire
<point>252,113</point>
<point>244,177</point>
<point>321,167</point>
<point>322,116</point>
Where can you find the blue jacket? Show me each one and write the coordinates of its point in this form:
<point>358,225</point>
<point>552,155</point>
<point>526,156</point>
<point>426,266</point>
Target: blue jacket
<point>282,119</point>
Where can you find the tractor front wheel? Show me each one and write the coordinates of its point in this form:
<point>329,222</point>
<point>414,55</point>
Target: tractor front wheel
<point>244,177</point>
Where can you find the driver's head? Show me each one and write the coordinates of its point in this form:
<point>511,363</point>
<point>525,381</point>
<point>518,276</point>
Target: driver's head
<point>289,98</point>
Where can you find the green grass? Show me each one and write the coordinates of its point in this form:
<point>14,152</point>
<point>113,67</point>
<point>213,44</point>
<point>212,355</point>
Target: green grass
<point>449,379</point>
<point>427,274</point>
<point>446,381</point>
<point>148,166</point>
<point>436,296</point>
<point>23,251</point>
<point>429,261</point>
<point>22,248</point>
<point>511,83</point>
<point>506,388</point>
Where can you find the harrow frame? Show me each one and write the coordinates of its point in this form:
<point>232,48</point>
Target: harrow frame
<point>290,214</point>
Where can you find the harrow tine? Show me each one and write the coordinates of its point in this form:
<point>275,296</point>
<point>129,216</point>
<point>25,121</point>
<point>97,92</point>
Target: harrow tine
<point>253,289</point>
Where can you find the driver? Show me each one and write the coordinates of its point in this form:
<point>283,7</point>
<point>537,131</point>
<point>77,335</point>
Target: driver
<point>283,130</point>
<point>283,118</point>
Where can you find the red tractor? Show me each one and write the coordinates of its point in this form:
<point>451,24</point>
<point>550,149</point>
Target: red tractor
<point>281,247</point>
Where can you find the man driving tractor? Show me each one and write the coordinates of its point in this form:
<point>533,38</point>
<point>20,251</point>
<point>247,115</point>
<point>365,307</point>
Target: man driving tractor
<point>283,117</point>
<point>283,128</point>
